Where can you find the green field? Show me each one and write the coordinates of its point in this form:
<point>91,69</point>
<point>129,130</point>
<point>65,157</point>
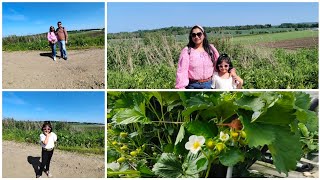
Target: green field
<point>276,37</point>
<point>77,40</point>
<point>78,137</point>
<point>150,62</point>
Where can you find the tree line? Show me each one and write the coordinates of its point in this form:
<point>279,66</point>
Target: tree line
<point>185,29</point>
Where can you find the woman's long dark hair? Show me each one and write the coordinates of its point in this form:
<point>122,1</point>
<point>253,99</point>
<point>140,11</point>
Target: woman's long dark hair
<point>47,123</point>
<point>50,28</point>
<point>206,45</point>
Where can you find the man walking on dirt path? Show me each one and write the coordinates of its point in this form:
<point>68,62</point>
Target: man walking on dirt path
<point>62,37</point>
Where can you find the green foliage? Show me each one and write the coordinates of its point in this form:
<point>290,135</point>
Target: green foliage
<point>279,120</point>
<point>169,166</point>
<point>77,40</point>
<point>200,128</point>
<point>285,150</point>
<point>71,137</point>
<point>231,157</point>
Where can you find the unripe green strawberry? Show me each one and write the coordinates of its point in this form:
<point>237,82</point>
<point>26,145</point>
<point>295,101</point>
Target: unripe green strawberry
<point>133,153</point>
<point>243,134</point>
<point>210,144</point>
<point>121,159</point>
<point>234,134</point>
<point>124,148</point>
<point>304,130</point>
<point>114,142</point>
<point>220,146</point>
<point>123,134</point>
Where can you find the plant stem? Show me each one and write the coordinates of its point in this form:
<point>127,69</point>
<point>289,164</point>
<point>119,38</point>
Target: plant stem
<point>123,172</point>
<point>209,167</point>
<point>169,122</point>
<point>209,163</point>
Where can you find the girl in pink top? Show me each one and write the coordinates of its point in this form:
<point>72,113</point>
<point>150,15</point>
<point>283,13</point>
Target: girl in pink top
<point>52,38</point>
<point>197,61</point>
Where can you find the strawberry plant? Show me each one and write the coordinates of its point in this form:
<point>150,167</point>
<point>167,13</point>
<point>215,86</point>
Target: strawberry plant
<point>190,134</point>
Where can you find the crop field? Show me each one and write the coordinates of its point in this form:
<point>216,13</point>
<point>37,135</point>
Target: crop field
<point>275,37</point>
<point>202,134</point>
<point>71,136</point>
<point>262,61</point>
<point>77,40</point>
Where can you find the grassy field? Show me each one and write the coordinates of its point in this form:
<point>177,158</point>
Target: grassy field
<point>78,137</point>
<point>150,62</point>
<point>244,33</point>
<point>77,40</point>
<point>275,37</point>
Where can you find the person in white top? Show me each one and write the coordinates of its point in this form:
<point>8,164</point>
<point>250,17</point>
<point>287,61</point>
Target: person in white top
<point>47,140</point>
<point>223,78</point>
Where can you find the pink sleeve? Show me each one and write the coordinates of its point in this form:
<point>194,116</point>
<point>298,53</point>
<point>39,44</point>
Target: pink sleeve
<point>216,56</point>
<point>49,36</point>
<point>182,79</point>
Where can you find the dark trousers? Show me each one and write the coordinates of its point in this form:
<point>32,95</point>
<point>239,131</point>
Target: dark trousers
<point>45,160</point>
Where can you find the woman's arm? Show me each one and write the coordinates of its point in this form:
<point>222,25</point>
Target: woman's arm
<point>238,81</point>
<point>182,79</point>
<point>49,37</point>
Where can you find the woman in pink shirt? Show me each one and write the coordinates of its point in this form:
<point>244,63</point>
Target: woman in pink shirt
<point>196,62</point>
<point>52,38</point>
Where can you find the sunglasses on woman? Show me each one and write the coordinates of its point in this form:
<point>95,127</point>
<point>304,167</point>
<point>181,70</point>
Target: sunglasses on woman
<point>199,34</point>
<point>46,129</point>
<point>225,66</point>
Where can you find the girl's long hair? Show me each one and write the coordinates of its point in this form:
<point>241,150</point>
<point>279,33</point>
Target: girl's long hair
<point>205,43</point>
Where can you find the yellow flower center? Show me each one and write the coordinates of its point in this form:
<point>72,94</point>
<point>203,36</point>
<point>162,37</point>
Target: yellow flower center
<point>196,145</point>
<point>224,137</point>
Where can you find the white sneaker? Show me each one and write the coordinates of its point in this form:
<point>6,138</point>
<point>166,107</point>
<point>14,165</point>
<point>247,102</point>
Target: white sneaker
<point>48,174</point>
<point>54,58</point>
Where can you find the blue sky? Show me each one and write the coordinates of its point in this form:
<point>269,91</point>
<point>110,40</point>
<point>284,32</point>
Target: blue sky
<point>57,106</point>
<point>25,18</point>
<point>128,17</point>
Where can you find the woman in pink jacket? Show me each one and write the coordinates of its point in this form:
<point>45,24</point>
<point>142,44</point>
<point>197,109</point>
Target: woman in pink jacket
<point>196,62</point>
<point>52,38</point>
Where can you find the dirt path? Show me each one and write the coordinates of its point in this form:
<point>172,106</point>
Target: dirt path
<point>20,159</point>
<point>36,70</point>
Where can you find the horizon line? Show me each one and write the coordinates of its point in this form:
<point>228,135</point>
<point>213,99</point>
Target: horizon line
<point>208,26</point>
<point>9,118</point>
<point>47,32</point>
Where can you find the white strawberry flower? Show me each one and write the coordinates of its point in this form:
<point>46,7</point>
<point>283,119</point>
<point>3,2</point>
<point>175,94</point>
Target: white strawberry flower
<point>194,144</point>
<point>224,137</point>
